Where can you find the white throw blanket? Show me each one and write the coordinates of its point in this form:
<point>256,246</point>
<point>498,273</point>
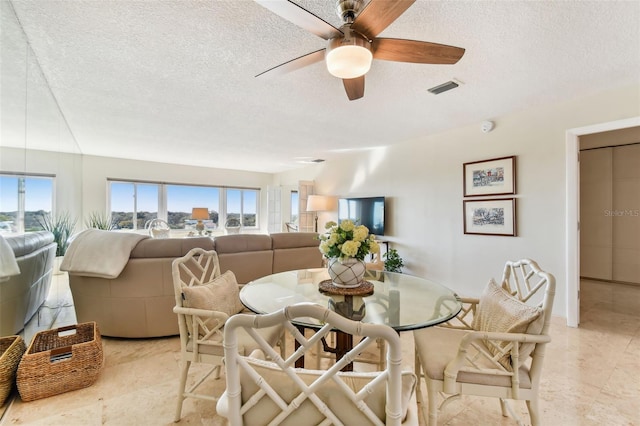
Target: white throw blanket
<point>97,253</point>
<point>8,264</point>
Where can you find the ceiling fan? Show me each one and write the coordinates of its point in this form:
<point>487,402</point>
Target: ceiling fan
<point>352,47</point>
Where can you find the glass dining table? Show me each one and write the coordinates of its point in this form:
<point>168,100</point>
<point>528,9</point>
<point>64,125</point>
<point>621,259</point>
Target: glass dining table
<point>403,302</point>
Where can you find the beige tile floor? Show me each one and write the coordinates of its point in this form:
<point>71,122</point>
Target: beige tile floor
<point>591,374</point>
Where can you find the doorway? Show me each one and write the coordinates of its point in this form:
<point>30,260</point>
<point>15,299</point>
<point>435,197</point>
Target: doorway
<point>572,146</point>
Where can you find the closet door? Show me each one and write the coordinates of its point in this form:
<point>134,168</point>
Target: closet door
<point>626,213</point>
<point>596,200</point>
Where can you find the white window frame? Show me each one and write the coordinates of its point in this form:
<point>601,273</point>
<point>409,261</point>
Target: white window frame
<point>242,191</point>
<point>134,218</point>
<point>21,211</point>
<point>162,200</point>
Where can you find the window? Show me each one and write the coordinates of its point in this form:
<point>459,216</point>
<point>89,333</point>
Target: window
<point>146,204</point>
<point>174,203</point>
<point>23,202</point>
<point>129,200</point>
<point>242,204</point>
<point>181,199</point>
<point>295,206</point>
<point>249,207</point>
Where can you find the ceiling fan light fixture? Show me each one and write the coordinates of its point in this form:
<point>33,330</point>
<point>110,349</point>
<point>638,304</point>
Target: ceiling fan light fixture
<point>349,56</point>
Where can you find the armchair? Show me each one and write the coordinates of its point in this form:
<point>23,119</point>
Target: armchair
<point>494,347</point>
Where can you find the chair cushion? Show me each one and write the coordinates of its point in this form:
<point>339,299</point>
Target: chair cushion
<point>222,295</point>
<point>498,311</point>
<point>437,346</point>
<point>329,393</point>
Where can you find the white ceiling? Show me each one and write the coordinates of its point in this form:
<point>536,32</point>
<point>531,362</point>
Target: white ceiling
<point>173,80</point>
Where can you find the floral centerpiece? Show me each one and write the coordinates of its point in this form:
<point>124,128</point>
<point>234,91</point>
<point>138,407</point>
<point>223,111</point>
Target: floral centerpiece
<point>346,245</point>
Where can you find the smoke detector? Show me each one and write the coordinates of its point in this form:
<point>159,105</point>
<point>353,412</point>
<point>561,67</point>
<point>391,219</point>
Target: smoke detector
<point>487,126</point>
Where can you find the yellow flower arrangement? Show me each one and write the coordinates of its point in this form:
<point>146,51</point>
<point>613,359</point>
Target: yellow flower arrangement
<point>347,240</point>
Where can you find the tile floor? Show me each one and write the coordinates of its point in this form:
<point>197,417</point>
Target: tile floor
<point>591,374</point>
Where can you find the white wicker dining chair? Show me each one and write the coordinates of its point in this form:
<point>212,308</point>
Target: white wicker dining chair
<point>274,392</point>
<point>232,226</point>
<point>158,228</point>
<point>494,347</point>
<point>205,299</point>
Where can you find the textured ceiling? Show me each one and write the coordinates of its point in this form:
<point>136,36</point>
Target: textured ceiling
<point>173,81</point>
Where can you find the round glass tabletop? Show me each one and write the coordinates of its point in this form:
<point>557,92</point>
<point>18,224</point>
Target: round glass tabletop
<point>401,301</point>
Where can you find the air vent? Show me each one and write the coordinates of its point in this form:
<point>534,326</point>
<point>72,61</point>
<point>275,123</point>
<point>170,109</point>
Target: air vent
<point>309,160</point>
<point>443,87</point>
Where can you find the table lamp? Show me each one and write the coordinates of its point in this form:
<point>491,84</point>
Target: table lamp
<point>320,203</point>
<point>200,214</point>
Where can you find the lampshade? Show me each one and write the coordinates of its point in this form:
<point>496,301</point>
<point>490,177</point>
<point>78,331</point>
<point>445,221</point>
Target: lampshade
<point>200,213</point>
<point>321,203</point>
<point>349,56</point>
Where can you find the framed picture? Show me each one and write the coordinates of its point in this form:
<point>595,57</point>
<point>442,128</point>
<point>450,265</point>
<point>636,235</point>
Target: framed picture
<point>490,217</point>
<point>490,177</point>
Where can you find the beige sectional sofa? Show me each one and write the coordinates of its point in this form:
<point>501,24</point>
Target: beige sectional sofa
<point>21,295</point>
<point>139,301</point>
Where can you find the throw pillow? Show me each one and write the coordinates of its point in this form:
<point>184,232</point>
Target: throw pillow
<point>221,294</point>
<point>498,311</point>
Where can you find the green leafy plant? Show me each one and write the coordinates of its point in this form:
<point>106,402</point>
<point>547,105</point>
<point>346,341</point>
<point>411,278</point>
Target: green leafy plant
<point>61,227</point>
<point>99,220</point>
<point>392,261</point>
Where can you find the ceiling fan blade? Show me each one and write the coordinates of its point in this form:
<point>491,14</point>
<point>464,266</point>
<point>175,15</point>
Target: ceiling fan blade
<point>378,15</point>
<point>354,87</point>
<point>301,17</point>
<point>418,52</point>
<point>297,63</point>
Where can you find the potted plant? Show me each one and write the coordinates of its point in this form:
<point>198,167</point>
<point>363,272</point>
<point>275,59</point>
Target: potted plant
<point>392,261</point>
<point>346,246</point>
<point>61,227</point>
<point>99,220</point>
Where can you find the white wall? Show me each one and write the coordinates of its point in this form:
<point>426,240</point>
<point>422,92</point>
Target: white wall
<point>422,180</point>
<point>96,170</point>
<point>81,180</point>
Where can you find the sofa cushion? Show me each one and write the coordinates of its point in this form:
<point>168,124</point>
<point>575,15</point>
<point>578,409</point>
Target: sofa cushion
<point>242,243</point>
<point>169,247</point>
<point>500,312</point>
<point>249,265</point>
<point>289,259</point>
<point>287,240</point>
<point>221,294</point>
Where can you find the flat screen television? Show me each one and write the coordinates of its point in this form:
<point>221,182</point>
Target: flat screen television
<point>367,211</point>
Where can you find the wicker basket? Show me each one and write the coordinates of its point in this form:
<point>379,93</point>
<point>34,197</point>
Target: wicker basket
<point>60,360</point>
<point>11,350</point>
